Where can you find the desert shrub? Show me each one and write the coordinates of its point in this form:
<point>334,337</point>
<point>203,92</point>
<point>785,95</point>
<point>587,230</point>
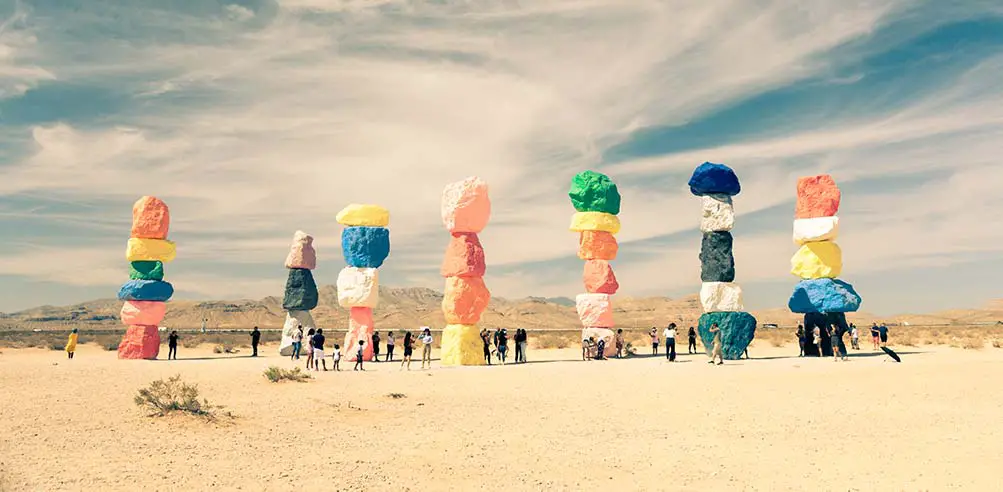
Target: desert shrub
<point>997,343</point>
<point>224,349</point>
<point>191,342</point>
<point>173,395</point>
<point>276,374</point>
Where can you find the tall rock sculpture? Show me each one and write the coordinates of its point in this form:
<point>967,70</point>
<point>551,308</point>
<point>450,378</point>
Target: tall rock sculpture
<point>720,296</point>
<point>146,293</point>
<point>301,295</point>
<point>597,204</point>
<point>466,209</point>
<point>822,298</point>
<point>365,243</point>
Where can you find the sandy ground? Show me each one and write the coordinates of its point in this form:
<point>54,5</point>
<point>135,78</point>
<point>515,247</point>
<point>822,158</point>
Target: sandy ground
<point>934,422</point>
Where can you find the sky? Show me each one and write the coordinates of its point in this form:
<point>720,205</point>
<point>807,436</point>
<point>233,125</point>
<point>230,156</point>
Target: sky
<point>254,119</point>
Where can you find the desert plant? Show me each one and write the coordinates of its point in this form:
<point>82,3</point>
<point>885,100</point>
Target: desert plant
<point>276,374</point>
<point>173,395</point>
<point>997,343</point>
<point>224,349</point>
<point>191,342</point>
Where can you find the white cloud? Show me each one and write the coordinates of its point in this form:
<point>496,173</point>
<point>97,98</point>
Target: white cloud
<point>17,44</point>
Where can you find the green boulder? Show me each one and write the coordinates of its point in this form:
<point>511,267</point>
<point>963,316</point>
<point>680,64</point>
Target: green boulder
<point>594,192</point>
<point>146,270</point>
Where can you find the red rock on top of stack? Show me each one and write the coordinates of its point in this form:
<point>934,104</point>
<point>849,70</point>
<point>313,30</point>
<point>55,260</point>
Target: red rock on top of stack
<point>464,256</point>
<point>818,196</point>
<point>599,278</point>
<point>150,218</point>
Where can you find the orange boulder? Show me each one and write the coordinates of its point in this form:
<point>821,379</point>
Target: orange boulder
<point>597,245</point>
<point>465,299</point>
<point>150,218</point>
<point>818,196</point>
<point>599,277</point>
<point>464,256</point>
<point>360,327</point>
<point>140,342</point>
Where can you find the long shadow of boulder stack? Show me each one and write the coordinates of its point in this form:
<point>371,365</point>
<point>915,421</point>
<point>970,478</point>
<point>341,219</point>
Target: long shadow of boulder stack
<point>146,293</point>
<point>466,209</point>
<point>822,298</point>
<point>365,244</point>
<point>720,296</point>
<point>301,295</point>
<point>597,205</point>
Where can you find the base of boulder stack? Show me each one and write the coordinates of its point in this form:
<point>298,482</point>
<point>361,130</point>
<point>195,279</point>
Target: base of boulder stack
<point>360,327</point>
<point>461,346</point>
<point>827,323</point>
<point>602,334</point>
<point>140,342</point>
<point>294,319</point>
<point>737,331</point>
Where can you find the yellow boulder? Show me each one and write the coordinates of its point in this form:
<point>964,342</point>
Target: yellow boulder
<point>817,260</point>
<point>461,346</point>
<point>595,221</point>
<point>139,249</point>
<point>364,215</point>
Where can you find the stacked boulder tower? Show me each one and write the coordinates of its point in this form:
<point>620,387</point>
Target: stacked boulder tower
<point>466,209</point>
<point>820,296</point>
<point>146,293</point>
<point>720,296</point>
<point>597,206</point>
<point>301,294</point>
<point>365,244</point>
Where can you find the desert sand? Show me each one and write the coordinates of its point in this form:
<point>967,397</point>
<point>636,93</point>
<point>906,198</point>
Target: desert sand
<point>772,423</point>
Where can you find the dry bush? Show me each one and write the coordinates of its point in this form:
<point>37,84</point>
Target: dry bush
<point>276,374</point>
<point>997,343</point>
<point>175,396</point>
<point>224,349</point>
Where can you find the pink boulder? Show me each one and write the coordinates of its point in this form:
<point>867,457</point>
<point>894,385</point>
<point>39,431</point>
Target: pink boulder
<point>464,256</point>
<point>147,313</point>
<point>818,196</point>
<point>466,206</point>
<point>301,253</point>
<point>360,327</point>
<point>464,300</point>
<point>595,310</point>
<point>599,277</point>
<point>140,342</point>
<point>150,218</point>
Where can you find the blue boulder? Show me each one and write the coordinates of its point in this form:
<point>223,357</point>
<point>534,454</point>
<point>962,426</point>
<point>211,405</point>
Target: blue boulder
<point>146,290</point>
<point>714,179</point>
<point>365,247</point>
<point>737,331</point>
<point>824,295</point>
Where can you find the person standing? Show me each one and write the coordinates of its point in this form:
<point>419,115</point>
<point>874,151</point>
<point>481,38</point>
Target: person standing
<point>670,342</point>
<point>618,340</point>
<point>517,340</point>
<point>71,343</point>
<point>309,348</point>
<point>601,349</point>
<point>359,354</point>
<point>692,338</point>
<point>654,340</point>
<point>586,347</point>
<point>883,334</point>
<point>502,345</point>
<point>336,358</point>
<point>172,345</point>
<point>816,338</point>
<point>800,335</point>
<point>875,335</point>
<point>854,337</point>
<point>408,349</point>
<point>716,351</point>
<point>318,350</point>
<point>297,342</point>
<point>204,320</point>
<point>525,344</point>
<point>376,346</point>
<point>486,341</point>
<point>255,340</point>
<point>426,349</point>
<point>390,346</point>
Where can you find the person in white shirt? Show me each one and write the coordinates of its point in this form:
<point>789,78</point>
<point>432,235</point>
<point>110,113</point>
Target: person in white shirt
<point>670,342</point>
<point>336,355</point>
<point>426,349</point>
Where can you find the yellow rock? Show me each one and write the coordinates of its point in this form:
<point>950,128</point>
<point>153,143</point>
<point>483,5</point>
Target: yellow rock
<point>160,250</point>
<point>595,221</point>
<point>461,346</point>
<point>364,215</point>
<point>817,260</point>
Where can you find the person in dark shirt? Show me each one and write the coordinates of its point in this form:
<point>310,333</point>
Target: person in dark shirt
<point>172,345</point>
<point>318,350</point>
<point>883,334</point>
<point>408,349</point>
<point>255,340</point>
<point>502,344</point>
<point>376,347</point>
<point>601,349</point>
<point>692,335</point>
<point>359,354</point>
<point>524,343</point>
<point>518,345</point>
<point>800,335</point>
<point>486,340</point>
<point>835,340</point>
<point>875,335</point>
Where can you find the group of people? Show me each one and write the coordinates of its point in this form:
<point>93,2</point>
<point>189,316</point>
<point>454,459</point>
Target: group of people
<point>315,356</point>
<point>879,335</point>
<point>669,334</point>
<point>500,340</point>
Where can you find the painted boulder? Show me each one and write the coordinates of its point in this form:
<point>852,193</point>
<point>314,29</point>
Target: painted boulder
<point>599,277</point>
<point>595,310</point>
<point>358,287</point>
<point>594,192</point>
<point>146,290</point>
<point>815,230</point>
<point>721,296</point>
<point>714,179</point>
<point>818,196</point>
<point>597,245</point>
<point>149,313</point>
<point>464,256</point>
<point>139,342</point>
<point>365,247</point>
<point>146,270</point>
<point>301,253</point>
<point>461,346</point>
<point>817,260</point>
<point>718,214</point>
<point>737,331</point>
<point>364,215</point>
<point>466,206</point>
<point>464,300</point>
<point>717,263</point>
<point>595,221</point>
<point>301,291</point>
<point>824,295</point>
<point>139,249</point>
<point>151,219</point>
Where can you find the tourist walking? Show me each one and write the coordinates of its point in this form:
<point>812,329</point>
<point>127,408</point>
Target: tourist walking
<point>297,342</point>
<point>692,336</point>
<point>408,349</point>
<point>654,340</point>
<point>172,345</point>
<point>486,341</point>
<point>716,351</point>
<point>309,348</point>
<point>71,343</point>
<point>502,345</point>
<point>426,348</point>
<point>390,346</point>
<point>359,354</point>
<point>336,358</point>
<point>376,346</point>
<point>318,350</point>
<point>619,343</point>
<point>255,340</point>
<point>670,342</point>
<point>854,337</point>
<point>875,335</point>
<point>834,340</point>
<point>800,335</point>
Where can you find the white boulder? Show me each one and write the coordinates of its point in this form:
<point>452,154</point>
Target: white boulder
<point>721,297</point>
<point>718,214</point>
<point>294,319</point>
<point>358,287</point>
<point>601,334</point>
<point>815,230</point>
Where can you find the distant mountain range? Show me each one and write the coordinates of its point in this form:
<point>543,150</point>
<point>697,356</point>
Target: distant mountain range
<point>414,306</point>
